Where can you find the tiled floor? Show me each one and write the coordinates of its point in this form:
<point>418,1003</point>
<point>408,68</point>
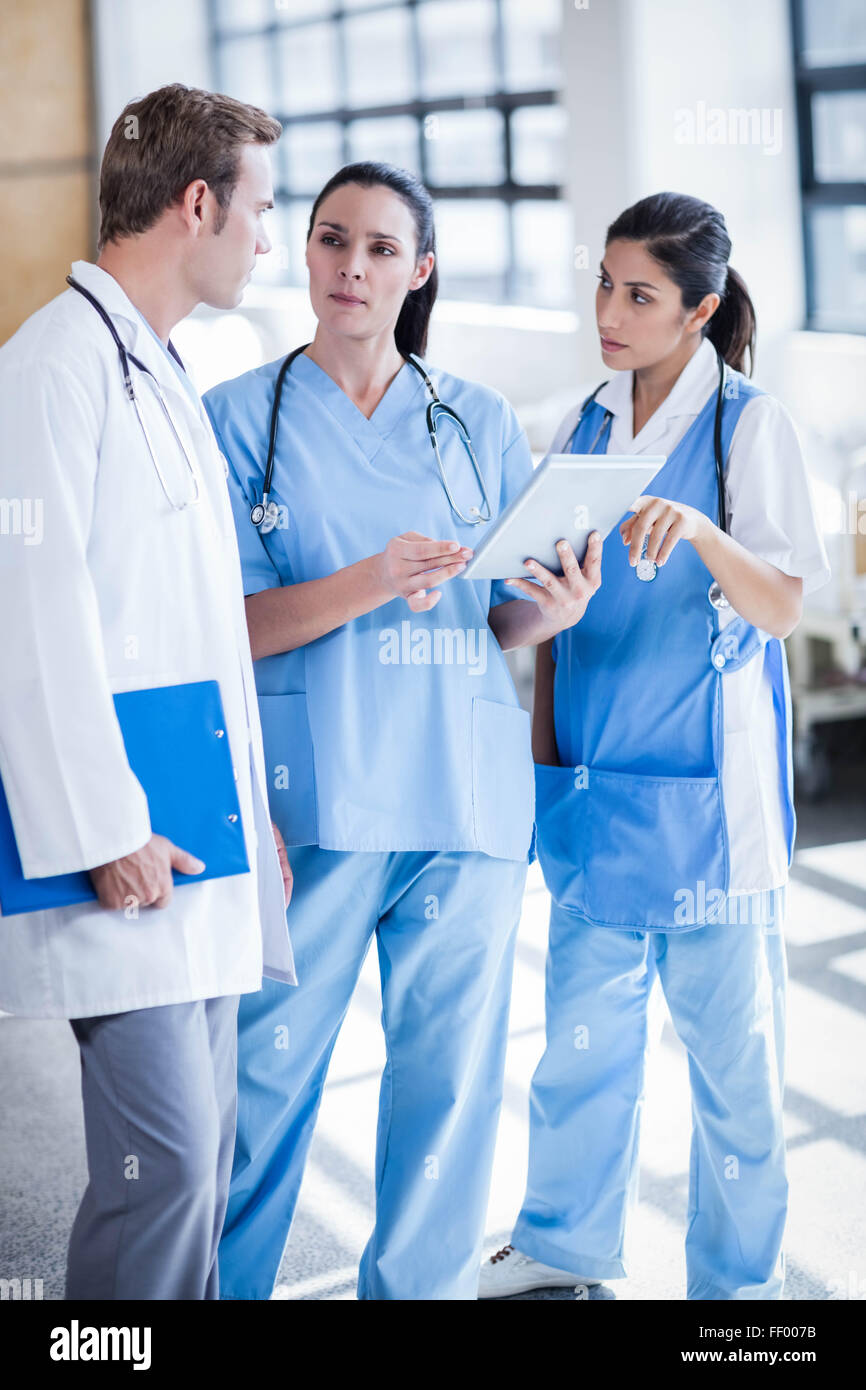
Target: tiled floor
<point>41,1144</point>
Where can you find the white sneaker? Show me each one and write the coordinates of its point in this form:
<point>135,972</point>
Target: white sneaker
<point>509,1272</point>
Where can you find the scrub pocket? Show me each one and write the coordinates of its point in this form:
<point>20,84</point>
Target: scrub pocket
<point>503,790</point>
<point>289,767</point>
<point>639,852</point>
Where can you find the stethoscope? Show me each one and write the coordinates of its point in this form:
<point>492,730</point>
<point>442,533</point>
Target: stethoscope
<point>125,358</point>
<point>645,569</point>
<point>265,514</point>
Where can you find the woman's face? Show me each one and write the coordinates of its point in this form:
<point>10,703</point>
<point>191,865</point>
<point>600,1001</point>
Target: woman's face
<point>639,309</point>
<point>362,260</point>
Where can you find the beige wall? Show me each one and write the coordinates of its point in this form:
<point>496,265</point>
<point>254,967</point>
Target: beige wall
<point>47,197</point>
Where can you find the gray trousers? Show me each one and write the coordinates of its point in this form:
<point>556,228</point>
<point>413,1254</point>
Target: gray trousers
<point>160,1107</point>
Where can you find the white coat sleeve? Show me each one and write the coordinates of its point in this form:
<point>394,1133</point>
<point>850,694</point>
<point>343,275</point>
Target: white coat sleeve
<point>770,507</point>
<point>73,799</point>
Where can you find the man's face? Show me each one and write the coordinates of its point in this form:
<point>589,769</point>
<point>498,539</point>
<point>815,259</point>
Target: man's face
<point>225,259</point>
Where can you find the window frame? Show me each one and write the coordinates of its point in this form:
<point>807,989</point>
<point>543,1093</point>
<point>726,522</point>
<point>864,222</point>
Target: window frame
<point>810,80</point>
<point>506,191</point>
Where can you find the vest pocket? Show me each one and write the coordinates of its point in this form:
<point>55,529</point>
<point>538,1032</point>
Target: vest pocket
<point>639,852</point>
<point>503,793</point>
<point>289,767</point>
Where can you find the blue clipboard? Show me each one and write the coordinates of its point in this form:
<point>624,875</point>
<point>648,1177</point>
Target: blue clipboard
<point>178,747</point>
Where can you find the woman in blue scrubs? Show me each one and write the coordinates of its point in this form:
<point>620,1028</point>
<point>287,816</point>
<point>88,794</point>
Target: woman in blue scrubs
<point>398,756</point>
<point>665,818</point>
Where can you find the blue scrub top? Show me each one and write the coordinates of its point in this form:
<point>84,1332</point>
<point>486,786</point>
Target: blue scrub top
<point>634,821</point>
<point>399,730</point>
<point>176,366</point>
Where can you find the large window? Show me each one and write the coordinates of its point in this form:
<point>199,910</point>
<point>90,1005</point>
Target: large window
<point>830,56</point>
<point>465,93</point>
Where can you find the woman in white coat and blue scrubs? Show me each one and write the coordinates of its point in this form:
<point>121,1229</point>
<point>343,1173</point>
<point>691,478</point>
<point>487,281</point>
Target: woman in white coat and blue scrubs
<point>398,757</point>
<point>665,820</point>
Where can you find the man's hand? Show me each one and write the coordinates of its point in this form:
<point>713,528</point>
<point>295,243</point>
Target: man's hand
<point>145,876</point>
<point>286,867</point>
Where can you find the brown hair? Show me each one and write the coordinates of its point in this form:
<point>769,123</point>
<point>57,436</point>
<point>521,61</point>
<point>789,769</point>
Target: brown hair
<point>161,143</point>
<point>410,331</point>
<point>690,241</point>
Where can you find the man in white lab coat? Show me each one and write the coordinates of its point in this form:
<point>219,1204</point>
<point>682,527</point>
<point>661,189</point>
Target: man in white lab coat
<point>131,581</point>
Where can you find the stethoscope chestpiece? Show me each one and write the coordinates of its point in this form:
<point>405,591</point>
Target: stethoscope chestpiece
<point>272,516</point>
<point>716,597</point>
<point>646,569</point>
<point>265,516</point>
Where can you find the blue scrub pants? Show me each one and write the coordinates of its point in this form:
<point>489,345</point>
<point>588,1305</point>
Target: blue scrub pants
<point>725,988</point>
<point>445,925</point>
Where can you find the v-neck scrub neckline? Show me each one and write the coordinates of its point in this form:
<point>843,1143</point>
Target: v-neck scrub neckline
<point>368,432</point>
<point>397,730</point>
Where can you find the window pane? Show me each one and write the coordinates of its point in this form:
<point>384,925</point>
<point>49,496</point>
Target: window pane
<point>287,229</point>
<point>289,11</point>
<point>465,147</point>
<point>543,253</point>
<point>392,139</point>
<point>311,152</point>
<point>379,59</point>
<point>308,69</point>
<point>243,14</point>
<point>273,269</point>
<point>532,44</point>
<point>538,144</point>
<point>472,248</point>
<point>839,135</point>
<point>246,71</point>
<point>834,33</point>
<point>838,237</point>
<point>457,55</point>
<point>297,221</point>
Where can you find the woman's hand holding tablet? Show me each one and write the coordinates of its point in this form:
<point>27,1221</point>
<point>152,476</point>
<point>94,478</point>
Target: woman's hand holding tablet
<point>567,497</point>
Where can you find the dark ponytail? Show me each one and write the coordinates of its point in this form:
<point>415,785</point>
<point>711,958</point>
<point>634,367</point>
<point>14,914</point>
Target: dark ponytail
<point>690,241</point>
<point>732,327</point>
<point>410,332</point>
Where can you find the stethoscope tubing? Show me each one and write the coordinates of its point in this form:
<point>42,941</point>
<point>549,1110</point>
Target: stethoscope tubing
<point>260,510</point>
<point>647,569</point>
<point>717,435</point>
<point>125,357</point>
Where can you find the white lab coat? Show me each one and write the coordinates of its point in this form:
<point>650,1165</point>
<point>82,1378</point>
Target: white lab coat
<point>118,592</point>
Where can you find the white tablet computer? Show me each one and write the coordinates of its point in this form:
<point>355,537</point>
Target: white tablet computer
<point>567,497</point>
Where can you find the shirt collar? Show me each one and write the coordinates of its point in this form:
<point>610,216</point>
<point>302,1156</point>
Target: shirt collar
<point>139,338</point>
<point>107,290</point>
<point>688,395</point>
